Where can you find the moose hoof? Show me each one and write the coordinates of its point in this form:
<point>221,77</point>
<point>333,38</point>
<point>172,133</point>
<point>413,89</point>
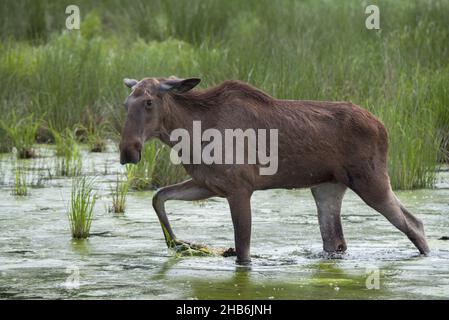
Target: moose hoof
<point>243,262</point>
<point>339,247</point>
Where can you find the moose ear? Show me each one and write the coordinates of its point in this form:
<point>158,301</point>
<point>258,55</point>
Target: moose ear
<point>179,85</point>
<point>130,82</point>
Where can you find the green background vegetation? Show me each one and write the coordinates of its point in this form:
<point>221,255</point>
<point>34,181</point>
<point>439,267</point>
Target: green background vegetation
<point>291,49</point>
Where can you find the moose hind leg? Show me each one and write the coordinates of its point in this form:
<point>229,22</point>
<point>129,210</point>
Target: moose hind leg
<point>377,193</point>
<point>328,198</point>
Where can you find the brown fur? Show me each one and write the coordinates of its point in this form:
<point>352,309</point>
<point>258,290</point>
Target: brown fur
<point>333,137</point>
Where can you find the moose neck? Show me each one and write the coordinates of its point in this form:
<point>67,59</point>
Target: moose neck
<point>176,115</point>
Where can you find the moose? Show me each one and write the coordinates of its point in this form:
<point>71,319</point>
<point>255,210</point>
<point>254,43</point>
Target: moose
<point>325,146</point>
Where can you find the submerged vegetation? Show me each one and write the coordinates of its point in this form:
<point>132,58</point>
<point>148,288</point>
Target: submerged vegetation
<point>81,207</point>
<point>294,50</point>
<point>187,249</point>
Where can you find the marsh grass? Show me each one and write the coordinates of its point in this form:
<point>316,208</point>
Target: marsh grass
<point>167,173</point>
<point>81,206</point>
<point>140,175</point>
<point>94,132</point>
<point>96,141</point>
<point>154,168</point>
<point>2,174</point>
<point>69,165</point>
<point>5,143</point>
<point>119,193</point>
<point>20,187</point>
<point>68,160</point>
<point>312,50</point>
<point>40,173</point>
<point>21,133</point>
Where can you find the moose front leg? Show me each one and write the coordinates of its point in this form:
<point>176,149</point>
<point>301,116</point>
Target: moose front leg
<point>240,206</point>
<point>187,190</point>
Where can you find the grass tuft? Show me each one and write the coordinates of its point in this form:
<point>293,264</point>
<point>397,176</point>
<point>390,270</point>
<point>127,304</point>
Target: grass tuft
<point>21,132</point>
<point>20,182</point>
<point>154,169</point>
<point>81,205</point>
<point>68,161</point>
<point>119,192</point>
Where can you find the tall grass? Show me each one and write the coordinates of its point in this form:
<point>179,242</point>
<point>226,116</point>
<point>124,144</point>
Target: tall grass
<point>81,206</point>
<point>20,182</point>
<point>21,134</point>
<point>292,49</point>
<point>93,135</point>
<point>68,161</point>
<point>166,173</point>
<point>154,169</point>
<point>415,130</point>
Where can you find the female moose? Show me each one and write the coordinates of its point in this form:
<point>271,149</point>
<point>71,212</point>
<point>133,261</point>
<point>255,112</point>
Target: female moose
<point>325,146</point>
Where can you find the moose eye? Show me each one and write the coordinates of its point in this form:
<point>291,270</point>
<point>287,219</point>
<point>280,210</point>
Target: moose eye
<point>148,104</point>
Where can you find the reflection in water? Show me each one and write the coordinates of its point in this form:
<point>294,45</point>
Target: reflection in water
<point>320,280</point>
<point>323,279</point>
<point>80,246</point>
<point>161,273</point>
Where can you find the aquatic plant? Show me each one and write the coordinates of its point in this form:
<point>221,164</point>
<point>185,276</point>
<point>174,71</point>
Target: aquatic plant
<point>64,140</point>
<point>396,73</point>
<point>413,129</point>
<point>20,182</point>
<point>119,192</point>
<point>2,174</point>
<point>69,165</point>
<point>40,170</point>
<point>155,168</point>
<point>96,143</point>
<point>81,206</point>
<point>68,161</point>
<point>167,173</point>
<point>140,175</point>
<point>5,143</point>
<point>94,133</point>
<point>184,248</point>
<point>21,132</point>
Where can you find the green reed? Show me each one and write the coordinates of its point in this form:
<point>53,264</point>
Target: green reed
<point>20,187</point>
<point>21,132</point>
<point>68,160</point>
<point>295,50</point>
<point>119,192</point>
<point>81,206</point>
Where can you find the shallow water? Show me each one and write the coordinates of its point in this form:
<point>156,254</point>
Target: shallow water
<point>126,256</point>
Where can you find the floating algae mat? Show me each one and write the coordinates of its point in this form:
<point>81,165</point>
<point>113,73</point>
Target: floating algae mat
<point>184,248</point>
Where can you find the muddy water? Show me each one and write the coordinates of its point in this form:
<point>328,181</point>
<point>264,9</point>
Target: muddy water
<point>125,257</point>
